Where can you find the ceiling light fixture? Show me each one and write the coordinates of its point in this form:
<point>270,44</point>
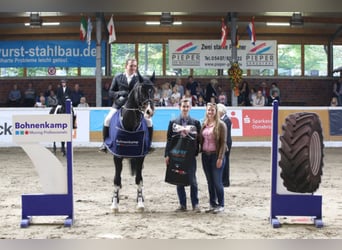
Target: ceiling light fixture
<point>37,22</point>
<point>296,20</point>
<point>277,24</point>
<point>159,23</point>
<point>45,24</point>
<point>166,19</point>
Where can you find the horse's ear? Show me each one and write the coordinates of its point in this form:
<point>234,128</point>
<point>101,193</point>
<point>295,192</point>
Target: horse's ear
<point>153,77</point>
<point>141,79</point>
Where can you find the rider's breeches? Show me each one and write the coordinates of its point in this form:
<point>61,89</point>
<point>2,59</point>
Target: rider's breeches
<point>109,116</point>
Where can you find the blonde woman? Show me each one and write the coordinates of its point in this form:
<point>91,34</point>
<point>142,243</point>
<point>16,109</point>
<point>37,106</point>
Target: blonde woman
<point>213,147</point>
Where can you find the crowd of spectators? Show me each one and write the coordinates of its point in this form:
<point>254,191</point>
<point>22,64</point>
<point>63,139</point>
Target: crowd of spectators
<point>51,97</point>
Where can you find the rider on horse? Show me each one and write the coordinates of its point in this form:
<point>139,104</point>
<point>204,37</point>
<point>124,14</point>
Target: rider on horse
<point>121,86</point>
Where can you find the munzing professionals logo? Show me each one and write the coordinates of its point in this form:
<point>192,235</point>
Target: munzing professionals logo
<point>185,55</point>
<point>258,56</point>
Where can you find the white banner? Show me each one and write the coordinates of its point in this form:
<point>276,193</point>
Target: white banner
<point>40,128</point>
<point>81,134</point>
<point>207,54</point>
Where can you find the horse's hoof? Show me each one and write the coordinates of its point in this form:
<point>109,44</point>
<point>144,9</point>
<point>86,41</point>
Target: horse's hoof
<point>140,205</point>
<point>115,204</point>
<point>115,209</point>
<point>141,208</point>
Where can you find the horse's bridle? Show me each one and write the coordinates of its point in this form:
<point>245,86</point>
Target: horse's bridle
<point>141,105</point>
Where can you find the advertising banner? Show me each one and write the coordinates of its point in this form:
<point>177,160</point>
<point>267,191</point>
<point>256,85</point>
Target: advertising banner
<point>7,127</point>
<point>49,54</point>
<point>335,117</point>
<point>40,128</point>
<point>208,54</point>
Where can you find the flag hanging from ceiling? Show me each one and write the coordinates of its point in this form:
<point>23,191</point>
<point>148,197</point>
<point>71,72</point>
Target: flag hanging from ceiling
<point>251,31</point>
<point>224,32</point>
<point>237,37</point>
<point>83,29</point>
<point>111,31</point>
<point>89,30</point>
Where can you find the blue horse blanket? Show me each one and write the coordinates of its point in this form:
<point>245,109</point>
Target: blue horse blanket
<point>124,143</point>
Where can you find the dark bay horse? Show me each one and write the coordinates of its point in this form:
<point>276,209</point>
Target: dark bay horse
<point>130,137</point>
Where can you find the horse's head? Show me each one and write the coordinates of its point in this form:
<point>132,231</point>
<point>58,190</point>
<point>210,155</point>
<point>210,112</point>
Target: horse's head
<point>142,94</point>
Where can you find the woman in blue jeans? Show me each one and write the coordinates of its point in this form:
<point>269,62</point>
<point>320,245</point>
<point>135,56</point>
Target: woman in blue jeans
<point>213,147</point>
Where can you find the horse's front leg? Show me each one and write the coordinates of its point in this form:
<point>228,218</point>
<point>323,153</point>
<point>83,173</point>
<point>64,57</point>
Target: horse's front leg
<point>139,182</point>
<point>117,183</point>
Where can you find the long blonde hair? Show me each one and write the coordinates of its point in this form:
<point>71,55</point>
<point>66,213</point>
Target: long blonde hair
<point>216,119</point>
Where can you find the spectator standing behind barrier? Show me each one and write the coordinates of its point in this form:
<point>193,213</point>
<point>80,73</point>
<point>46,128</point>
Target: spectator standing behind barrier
<point>106,99</point>
<point>180,86</point>
<point>211,90</point>
<point>222,111</point>
<point>187,95</point>
<point>76,95</point>
<point>252,96</point>
<point>52,100</point>
<point>157,96</point>
<point>274,97</point>
<point>222,98</point>
<point>200,102</point>
<point>265,92</point>
<point>47,91</point>
<point>334,102</point>
<point>337,90</point>
<point>29,96</point>
<point>274,87</point>
<point>63,93</point>
<point>243,98</point>
<point>191,85</point>
<point>183,121</point>
<point>14,97</point>
<point>176,96</point>
<point>213,146</point>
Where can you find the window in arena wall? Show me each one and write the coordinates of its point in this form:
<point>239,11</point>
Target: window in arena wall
<point>119,53</point>
<point>337,58</point>
<point>150,58</point>
<point>262,72</point>
<point>11,72</point>
<point>205,72</point>
<point>315,60</point>
<point>289,60</point>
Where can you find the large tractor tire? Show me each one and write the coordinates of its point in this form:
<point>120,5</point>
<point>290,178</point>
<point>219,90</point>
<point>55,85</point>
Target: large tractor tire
<point>301,152</point>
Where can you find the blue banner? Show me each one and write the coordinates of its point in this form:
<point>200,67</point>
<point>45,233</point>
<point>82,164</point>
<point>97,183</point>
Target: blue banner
<point>335,117</point>
<point>22,54</point>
